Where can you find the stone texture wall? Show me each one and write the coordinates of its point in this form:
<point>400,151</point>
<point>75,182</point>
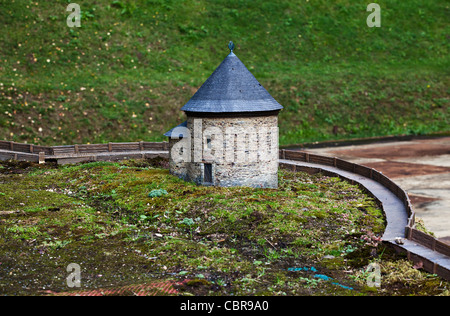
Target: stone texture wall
<point>177,168</point>
<point>242,151</point>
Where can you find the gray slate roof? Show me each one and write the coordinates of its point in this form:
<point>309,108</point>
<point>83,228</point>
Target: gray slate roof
<point>169,133</point>
<point>231,88</point>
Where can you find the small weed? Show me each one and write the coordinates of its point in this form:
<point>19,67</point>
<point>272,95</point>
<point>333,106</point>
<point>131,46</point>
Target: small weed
<point>157,193</point>
<point>56,244</point>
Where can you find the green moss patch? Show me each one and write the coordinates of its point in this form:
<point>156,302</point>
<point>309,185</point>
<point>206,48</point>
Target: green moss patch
<point>240,241</point>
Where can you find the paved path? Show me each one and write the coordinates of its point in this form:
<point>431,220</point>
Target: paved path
<point>421,167</point>
<point>395,211</point>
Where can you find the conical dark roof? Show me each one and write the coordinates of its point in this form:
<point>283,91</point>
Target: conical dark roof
<point>169,133</point>
<point>230,89</point>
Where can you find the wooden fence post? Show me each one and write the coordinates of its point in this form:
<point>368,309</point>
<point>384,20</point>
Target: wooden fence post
<point>41,157</point>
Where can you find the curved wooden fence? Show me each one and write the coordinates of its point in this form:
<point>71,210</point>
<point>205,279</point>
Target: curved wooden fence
<point>410,231</point>
<point>118,151</point>
<point>81,153</point>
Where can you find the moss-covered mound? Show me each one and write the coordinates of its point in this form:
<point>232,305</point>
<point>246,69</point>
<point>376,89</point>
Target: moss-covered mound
<point>312,235</point>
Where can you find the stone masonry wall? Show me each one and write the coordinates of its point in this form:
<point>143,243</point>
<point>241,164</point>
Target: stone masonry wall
<point>242,151</point>
<point>176,168</point>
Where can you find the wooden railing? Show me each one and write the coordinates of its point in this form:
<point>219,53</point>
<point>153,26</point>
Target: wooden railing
<point>109,147</point>
<point>20,151</point>
<point>411,232</point>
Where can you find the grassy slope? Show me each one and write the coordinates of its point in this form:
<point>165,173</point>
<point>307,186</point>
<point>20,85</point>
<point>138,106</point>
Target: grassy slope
<point>239,241</point>
<point>124,75</point>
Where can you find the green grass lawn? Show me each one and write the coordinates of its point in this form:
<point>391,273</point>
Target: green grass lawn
<point>124,75</point>
<point>132,223</point>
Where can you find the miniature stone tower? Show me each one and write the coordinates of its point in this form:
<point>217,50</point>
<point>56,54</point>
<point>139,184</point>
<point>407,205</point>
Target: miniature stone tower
<point>230,137</point>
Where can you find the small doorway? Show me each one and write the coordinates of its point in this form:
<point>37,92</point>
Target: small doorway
<point>207,174</point>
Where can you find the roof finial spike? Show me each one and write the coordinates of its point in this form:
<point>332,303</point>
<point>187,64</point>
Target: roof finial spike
<point>231,46</point>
